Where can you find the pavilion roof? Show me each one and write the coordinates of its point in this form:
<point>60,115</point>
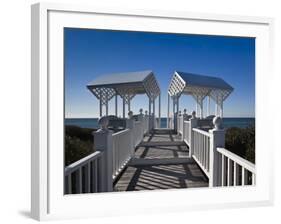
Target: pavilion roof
<point>127,85</point>
<point>199,86</point>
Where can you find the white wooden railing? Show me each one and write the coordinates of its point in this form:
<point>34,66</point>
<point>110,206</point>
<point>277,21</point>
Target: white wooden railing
<point>186,132</point>
<point>180,124</point>
<point>121,150</point>
<point>145,124</point>
<point>96,172</point>
<point>137,133</point>
<point>86,171</point>
<point>201,149</point>
<point>235,170</point>
<point>206,141</point>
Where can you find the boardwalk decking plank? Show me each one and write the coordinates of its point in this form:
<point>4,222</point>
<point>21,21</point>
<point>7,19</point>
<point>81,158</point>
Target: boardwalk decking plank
<point>161,162</point>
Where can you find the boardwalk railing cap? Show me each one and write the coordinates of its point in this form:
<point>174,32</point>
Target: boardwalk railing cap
<point>103,123</point>
<point>193,114</point>
<point>130,114</point>
<point>217,121</point>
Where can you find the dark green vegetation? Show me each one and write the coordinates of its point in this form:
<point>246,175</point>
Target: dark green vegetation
<point>78,143</point>
<point>241,141</point>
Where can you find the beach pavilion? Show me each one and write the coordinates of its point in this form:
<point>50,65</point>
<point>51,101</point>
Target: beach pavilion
<point>199,87</point>
<point>126,85</point>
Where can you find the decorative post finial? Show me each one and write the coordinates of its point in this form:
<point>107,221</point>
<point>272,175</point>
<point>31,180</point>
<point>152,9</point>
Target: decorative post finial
<point>146,112</point>
<point>130,114</point>
<point>141,110</point>
<point>193,114</point>
<point>217,121</point>
<point>179,113</point>
<point>103,123</point>
<point>184,111</point>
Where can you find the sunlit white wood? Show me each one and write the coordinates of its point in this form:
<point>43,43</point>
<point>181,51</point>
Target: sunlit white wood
<point>243,176</point>
<point>222,170</point>
<point>116,105</point>
<point>239,160</point>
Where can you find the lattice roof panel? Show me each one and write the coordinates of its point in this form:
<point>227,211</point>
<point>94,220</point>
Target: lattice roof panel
<point>199,86</point>
<point>127,85</point>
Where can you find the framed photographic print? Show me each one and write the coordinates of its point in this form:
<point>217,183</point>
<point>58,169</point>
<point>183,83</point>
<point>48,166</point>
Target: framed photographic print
<point>163,111</point>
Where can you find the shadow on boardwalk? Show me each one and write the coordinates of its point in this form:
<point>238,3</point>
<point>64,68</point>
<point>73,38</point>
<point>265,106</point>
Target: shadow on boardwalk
<point>161,162</point>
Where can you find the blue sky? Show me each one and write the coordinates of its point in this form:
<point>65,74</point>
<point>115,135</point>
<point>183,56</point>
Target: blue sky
<point>90,53</point>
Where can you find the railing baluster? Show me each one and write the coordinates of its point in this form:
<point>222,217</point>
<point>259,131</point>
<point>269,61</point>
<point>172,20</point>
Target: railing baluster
<point>243,176</point>
<point>234,174</point>
<point>222,170</point>
<point>88,178</point>
<point>253,179</point>
<point>246,177</point>
<point>78,179</point>
<point>229,174</point>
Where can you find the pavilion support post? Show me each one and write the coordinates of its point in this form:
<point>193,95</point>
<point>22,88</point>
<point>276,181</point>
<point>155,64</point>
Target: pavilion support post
<point>201,108</point>
<point>173,114</point>
<point>106,108</point>
<point>159,112</point>
<point>129,105</point>
<point>209,106</point>
<point>149,113</point>
<point>116,105</point>
<point>106,104</point>
<point>100,107</point>
<point>221,110</point>
<point>178,104</point>
<point>153,119</point>
<point>168,112</point>
<point>124,108</point>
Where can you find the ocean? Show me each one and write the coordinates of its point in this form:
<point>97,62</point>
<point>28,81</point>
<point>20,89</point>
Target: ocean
<point>227,122</point>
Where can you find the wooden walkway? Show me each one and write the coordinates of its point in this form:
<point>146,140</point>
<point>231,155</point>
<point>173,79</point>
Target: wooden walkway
<point>161,162</point>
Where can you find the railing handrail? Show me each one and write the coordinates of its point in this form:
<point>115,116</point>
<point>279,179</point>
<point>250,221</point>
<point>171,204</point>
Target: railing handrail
<point>81,162</point>
<point>239,160</point>
<point>121,132</point>
<point>201,131</point>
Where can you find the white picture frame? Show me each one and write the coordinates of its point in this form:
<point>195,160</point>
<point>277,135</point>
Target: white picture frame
<point>48,201</point>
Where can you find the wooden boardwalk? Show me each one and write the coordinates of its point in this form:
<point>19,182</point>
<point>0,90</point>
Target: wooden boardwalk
<point>161,162</point>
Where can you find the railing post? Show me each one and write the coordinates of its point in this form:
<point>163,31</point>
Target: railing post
<point>217,139</point>
<point>130,124</point>
<point>193,124</point>
<point>146,118</point>
<point>141,119</point>
<point>184,118</point>
<point>103,143</point>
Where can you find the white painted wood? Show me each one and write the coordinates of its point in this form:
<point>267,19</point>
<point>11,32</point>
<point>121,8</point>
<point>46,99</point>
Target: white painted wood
<point>124,108</point>
<point>229,172</point>
<point>243,176</point>
<point>123,149</point>
<point>234,174</point>
<point>116,105</point>
<point>103,142</point>
<point>239,160</point>
<point>217,139</point>
<point>168,112</point>
<point>222,170</point>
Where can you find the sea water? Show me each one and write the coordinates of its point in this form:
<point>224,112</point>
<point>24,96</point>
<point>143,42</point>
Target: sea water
<point>227,122</point>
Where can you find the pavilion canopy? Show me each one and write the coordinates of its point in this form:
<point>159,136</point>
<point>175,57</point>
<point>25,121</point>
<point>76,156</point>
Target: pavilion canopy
<point>126,85</point>
<point>199,86</point>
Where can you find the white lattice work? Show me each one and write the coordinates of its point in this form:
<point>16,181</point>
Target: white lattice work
<point>104,94</point>
<point>199,87</point>
<point>126,85</point>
